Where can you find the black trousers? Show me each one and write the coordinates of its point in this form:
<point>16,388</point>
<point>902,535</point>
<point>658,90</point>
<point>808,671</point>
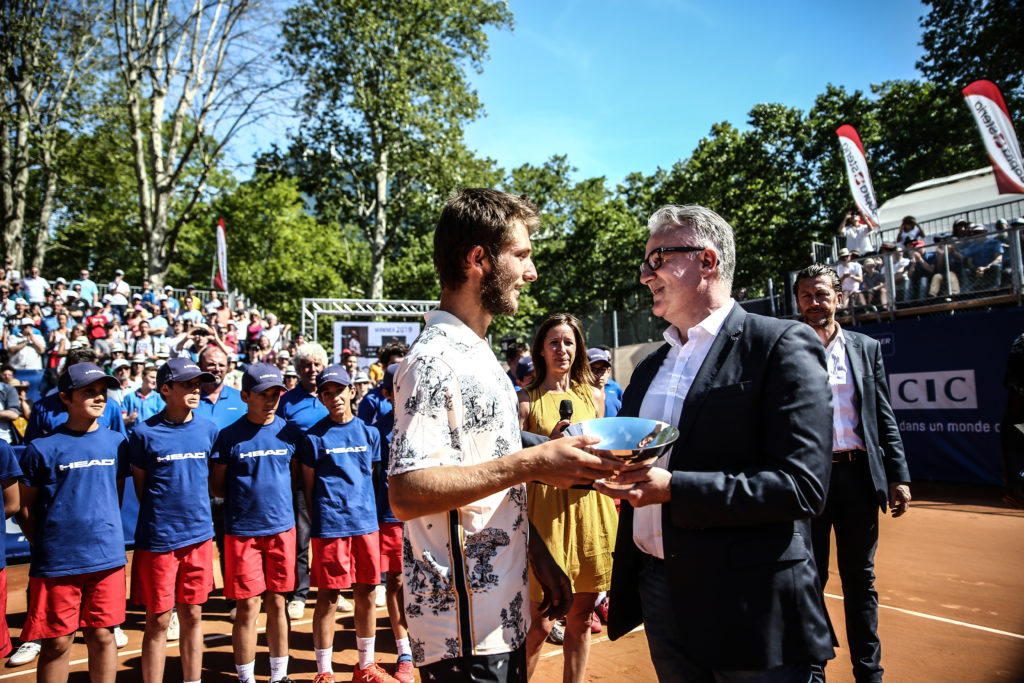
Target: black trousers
<point>851,509</point>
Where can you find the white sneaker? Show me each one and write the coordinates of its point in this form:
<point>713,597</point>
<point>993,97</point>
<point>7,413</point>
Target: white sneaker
<point>120,638</point>
<point>174,628</point>
<point>344,605</point>
<point>26,653</point>
<point>296,609</point>
<point>381,597</point>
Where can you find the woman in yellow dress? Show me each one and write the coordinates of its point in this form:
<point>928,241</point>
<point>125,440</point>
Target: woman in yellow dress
<point>577,525</point>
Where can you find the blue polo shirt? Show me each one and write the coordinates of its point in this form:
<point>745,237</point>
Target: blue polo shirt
<point>174,508</point>
<point>226,411</point>
<point>146,406</point>
<point>341,456</point>
<point>48,413</point>
<point>301,408</point>
<point>9,469</point>
<point>259,476</point>
<point>78,511</point>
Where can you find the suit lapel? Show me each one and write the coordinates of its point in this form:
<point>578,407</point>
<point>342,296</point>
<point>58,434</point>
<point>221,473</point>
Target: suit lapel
<point>854,356</point>
<point>702,382</point>
<point>633,397</point>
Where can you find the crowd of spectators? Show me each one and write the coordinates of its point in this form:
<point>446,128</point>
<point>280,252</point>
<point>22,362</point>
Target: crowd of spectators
<point>972,259</point>
<point>130,331</point>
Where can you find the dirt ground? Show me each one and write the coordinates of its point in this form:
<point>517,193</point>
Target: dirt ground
<point>949,581</point>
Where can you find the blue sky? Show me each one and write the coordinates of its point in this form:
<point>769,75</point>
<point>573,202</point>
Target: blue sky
<point>622,86</point>
<point>631,86</point>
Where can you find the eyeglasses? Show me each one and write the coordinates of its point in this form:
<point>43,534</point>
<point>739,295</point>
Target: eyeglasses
<point>654,260</point>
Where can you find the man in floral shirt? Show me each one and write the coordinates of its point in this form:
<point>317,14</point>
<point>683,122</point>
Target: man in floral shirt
<point>457,464</point>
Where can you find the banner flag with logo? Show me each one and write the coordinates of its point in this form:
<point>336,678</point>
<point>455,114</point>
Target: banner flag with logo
<point>220,280</point>
<point>989,109</point>
<point>857,174</point>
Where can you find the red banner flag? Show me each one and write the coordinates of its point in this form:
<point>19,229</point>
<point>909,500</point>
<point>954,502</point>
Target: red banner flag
<point>220,280</point>
<point>989,109</point>
<point>857,173</point>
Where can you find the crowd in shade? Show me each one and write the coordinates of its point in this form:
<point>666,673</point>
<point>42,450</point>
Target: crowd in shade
<point>970,260</point>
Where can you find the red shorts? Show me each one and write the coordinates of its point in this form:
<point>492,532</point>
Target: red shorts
<point>5,634</point>
<point>391,546</point>
<point>340,562</point>
<point>60,605</point>
<point>256,564</point>
<point>162,580</point>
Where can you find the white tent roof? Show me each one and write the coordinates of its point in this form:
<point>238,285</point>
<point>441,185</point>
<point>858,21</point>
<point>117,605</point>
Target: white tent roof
<point>941,197</point>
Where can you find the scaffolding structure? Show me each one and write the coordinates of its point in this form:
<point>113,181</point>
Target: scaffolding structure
<point>312,309</point>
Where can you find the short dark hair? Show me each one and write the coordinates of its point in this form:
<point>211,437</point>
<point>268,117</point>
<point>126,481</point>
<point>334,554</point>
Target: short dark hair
<point>81,355</point>
<point>476,216</point>
<point>390,350</point>
<point>816,270</point>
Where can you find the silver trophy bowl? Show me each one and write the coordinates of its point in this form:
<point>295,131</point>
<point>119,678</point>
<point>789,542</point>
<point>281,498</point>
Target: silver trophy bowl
<point>636,441</point>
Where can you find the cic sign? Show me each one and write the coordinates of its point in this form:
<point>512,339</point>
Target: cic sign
<point>943,390</point>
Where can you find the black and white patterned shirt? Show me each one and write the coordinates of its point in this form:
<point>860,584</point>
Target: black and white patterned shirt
<point>465,569</point>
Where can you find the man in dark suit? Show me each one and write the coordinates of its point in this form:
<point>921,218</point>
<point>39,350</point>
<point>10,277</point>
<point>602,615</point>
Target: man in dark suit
<point>869,469</point>
<point>713,552</point>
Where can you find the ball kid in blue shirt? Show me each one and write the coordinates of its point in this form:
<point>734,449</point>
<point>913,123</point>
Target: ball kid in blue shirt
<point>252,468</point>
<point>338,456</point>
<point>173,561</point>
<point>71,489</point>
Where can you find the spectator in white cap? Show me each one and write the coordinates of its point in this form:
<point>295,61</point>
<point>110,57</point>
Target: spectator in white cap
<point>601,369</point>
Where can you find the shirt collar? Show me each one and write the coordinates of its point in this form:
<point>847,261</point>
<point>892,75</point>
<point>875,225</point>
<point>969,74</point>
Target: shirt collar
<point>453,327</point>
<point>838,342</point>
<point>710,325</point>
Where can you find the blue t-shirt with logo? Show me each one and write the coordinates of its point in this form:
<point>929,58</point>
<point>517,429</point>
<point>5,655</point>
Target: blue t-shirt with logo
<point>77,508</point>
<point>9,469</point>
<point>174,508</point>
<point>301,408</point>
<point>259,477</point>
<point>228,408</point>
<point>342,457</point>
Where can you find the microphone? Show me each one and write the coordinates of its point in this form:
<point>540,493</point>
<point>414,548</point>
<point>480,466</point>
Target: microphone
<point>565,411</point>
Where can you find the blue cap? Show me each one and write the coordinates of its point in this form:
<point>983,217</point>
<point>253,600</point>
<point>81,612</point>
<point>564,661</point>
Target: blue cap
<point>334,373</point>
<point>596,355</point>
<point>181,370</point>
<point>524,367</point>
<point>82,375</point>
<point>260,377</point>
<point>389,377</point>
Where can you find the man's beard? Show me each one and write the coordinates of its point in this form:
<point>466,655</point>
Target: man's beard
<point>825,320</point>
<point>496,290</point>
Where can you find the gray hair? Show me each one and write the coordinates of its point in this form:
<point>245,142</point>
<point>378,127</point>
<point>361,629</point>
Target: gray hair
<point>709,230</point>
<point>309,350</point>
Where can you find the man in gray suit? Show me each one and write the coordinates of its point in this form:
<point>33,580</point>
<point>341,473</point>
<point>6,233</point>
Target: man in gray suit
<point>869,469</point>
<point>714,551</point>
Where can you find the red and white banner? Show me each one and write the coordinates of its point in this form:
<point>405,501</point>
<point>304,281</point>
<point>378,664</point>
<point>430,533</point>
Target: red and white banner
<point>220,280</point>
<point>857,174</point>
<point>989,109</point>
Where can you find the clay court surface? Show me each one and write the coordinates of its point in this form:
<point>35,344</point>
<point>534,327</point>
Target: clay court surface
<point>950,584</point>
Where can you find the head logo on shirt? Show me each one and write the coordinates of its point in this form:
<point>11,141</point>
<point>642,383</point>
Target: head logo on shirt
<point>181,456</point>
<point>346,449</point>
<point>79,464</point>
<point>260,454</point>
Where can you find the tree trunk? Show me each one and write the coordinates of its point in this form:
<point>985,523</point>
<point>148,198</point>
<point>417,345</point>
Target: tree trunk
<point>380,226</point>
<point>45,210</point>
<point>15,180</point>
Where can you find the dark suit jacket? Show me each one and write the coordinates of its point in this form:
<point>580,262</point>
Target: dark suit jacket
<point>886,459</point>
<point>750,468</point>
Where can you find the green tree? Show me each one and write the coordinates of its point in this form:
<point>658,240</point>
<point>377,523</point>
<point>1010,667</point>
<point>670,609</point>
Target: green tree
<point>386,93</point>
<point>965,40</point>
<point>277,252</point>
<point>48,58</point>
